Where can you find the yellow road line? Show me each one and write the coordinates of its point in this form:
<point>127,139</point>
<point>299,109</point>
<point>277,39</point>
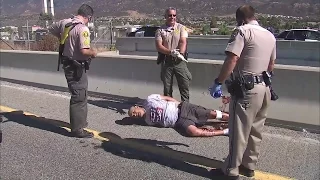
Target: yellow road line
<point>177,155</point>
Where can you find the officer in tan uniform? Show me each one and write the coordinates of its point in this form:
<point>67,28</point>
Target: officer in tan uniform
<point>251,53</point>
<point>75,54</point>
<point>171,44</point>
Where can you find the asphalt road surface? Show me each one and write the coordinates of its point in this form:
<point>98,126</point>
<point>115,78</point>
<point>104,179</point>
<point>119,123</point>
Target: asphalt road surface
<point>40,147</point>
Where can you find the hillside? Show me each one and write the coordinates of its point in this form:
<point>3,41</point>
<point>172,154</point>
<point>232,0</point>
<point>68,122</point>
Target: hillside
<point>151,8</point>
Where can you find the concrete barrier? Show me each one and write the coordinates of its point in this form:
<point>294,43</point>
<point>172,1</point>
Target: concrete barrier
<point>288,52</point>
<point>139,76</point>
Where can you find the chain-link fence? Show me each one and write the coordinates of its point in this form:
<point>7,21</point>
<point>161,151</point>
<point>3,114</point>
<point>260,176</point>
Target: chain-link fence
<point>103,35</point>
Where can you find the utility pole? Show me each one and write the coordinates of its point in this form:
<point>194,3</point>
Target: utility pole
<point>28,35</point>
<point>111,32</point>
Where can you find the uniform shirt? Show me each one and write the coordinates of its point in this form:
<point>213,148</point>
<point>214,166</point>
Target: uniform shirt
<point>160,112</point>
<point>254,45</point>
<point>79,38</point>
<point>170,36</point>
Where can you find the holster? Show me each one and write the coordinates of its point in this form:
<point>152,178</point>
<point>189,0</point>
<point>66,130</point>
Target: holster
<point>236,88</point>
<point>274,96</point>
<point>267,79</point>
<point>239,86</point>
<point>60,56</point>
<point>77,66</point>
<point>161,57</point>
<point>87,64</point>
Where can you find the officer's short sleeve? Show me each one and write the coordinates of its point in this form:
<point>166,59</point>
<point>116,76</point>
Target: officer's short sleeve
<point>84,37</point>
<point>236,42</point>
<point>184,32</point>
<point>274,53</point>
<point>158,34</point>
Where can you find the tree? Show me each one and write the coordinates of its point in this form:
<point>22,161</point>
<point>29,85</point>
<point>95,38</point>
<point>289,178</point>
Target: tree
<point>274,22</point>
<point>288,25</point>
<point>43,18</point>
<point>213,22</point>
<point>223,30</point>
<point>263,21</point>
<point>206,29</point>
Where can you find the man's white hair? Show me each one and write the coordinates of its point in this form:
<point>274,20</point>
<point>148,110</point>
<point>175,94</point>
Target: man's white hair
<point>169,9</point>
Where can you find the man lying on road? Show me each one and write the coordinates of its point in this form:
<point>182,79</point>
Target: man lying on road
<point>164,111</point>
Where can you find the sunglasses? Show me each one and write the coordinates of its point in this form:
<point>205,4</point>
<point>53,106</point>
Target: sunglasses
<point>172,15</point>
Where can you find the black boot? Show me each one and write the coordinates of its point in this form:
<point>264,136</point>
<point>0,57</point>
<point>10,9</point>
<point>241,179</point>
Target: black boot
<point>81,134</point>
<point>218,174</point>
<point>246,171</point>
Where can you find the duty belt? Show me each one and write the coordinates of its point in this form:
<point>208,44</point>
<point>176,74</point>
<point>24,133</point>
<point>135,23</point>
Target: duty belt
<point>258,79</point>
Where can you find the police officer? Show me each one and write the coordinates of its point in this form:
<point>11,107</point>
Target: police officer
<point>76,53</point>
<point>171,43</point>
<point>251,52</point>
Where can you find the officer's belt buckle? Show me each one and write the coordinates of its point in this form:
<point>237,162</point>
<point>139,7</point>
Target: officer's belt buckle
<point>258,79</point>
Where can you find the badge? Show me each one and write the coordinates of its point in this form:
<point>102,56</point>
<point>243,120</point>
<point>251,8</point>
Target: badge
<point>85,34</point>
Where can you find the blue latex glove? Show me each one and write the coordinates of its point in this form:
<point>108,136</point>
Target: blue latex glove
<point>215,90</point>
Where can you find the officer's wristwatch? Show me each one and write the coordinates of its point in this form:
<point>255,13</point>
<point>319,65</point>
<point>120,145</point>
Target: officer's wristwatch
<point>217,82</point>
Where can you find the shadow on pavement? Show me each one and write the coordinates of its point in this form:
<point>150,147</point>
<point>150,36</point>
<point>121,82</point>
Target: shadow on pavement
<point>46,124</point>
<point>153,151</point>
<point>119,107</point>
<point>127,121</point>
<point>116,104</point>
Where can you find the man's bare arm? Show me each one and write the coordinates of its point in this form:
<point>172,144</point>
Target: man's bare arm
<point>89,52</point>
<point>271,65</point>
<point>228,66</point>
<point>272,59</point>
<point>161,48</point>
<point>182,45</point>
<point>167,98</point>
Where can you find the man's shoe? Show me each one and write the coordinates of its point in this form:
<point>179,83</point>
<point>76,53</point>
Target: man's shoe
<point>81,134</point>
<point>246,171</point>
<point>218,174</point>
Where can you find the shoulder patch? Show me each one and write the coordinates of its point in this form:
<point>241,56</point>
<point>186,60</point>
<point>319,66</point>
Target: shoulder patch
<point>86,42</point>
<point>234,35</point>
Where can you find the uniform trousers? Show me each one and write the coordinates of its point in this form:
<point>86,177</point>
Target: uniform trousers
<point>77,80</point>
<point>246,121</point>
<point>171,67</point>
